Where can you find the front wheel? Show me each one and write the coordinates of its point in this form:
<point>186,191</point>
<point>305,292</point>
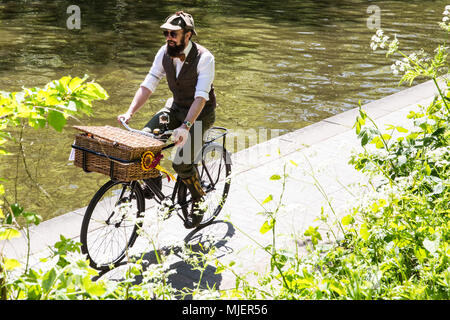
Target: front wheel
<point>111,222</point>
<point>214,171</point>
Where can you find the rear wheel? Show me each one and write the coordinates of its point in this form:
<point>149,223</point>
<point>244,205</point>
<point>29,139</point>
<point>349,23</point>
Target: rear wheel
<point>109,225</point>
<point>214,171</point>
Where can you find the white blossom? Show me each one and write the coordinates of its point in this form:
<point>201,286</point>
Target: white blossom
<point>393,46</point>
<point>73,256</point>
<point>210,294</point>
<point>444,24</point>
<point>440,156</point>
<point>378,40</point>
<point>408,63</point>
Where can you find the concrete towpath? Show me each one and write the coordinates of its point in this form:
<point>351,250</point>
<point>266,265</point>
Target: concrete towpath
<point>319,178</point>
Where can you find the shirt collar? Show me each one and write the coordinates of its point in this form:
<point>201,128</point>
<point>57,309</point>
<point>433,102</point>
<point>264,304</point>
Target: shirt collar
<point>188,48</point>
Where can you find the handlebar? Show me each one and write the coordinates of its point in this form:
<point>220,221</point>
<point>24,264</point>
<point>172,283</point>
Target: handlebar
<point>164,136</point>
<point>160,136</point>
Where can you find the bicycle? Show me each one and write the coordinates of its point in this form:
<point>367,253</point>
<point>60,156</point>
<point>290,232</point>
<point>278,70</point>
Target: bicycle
<point>113,217</point>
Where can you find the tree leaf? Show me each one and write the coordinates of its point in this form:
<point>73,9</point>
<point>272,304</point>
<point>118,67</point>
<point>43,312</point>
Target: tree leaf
<point>314,234</point>
<point>268,199</point>
<point>64,83</point>
<point>267,226</point>
<point>379,144</point>
<point>48,280</point>
<point>56,120</point>
<point>9,233</point>
<point>348,219</point>
<point>96,289</point>
<point>95,91</point>
<point>32,217</point>
<point>16,209</point>
<point>10,264</point>
<point>219,269</point>
<point>401,129</point>
<point>363,114</point>
<point>275,177</point>
<point>364,138</point>
<point>364,232</point>
<point>75,83</point>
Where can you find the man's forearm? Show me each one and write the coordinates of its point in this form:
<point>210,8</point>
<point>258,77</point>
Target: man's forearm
<point>195,109</point>
<point>141,96</point>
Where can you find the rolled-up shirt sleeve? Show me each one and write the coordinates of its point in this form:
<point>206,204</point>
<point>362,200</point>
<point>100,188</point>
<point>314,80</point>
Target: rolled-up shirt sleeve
<point>156,72</point>
<point>205,69</point>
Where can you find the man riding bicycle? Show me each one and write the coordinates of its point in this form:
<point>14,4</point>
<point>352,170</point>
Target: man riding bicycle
<point>189,69</point>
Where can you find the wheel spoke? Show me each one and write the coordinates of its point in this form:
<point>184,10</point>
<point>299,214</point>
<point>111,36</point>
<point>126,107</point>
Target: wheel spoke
<point>109,226</point>
<point>213,171</point>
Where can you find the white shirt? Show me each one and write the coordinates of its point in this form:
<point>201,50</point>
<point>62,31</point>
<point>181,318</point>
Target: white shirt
<point>205,71</point>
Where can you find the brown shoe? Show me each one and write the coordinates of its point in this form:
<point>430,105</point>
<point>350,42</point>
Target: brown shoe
<point>195,216</point>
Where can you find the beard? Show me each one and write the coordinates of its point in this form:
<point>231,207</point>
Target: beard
<point>175,50</point>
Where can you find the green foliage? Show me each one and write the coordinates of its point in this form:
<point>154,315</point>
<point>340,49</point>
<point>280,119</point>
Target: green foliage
<point>37,108</point>
<point>65,275</point>
<point>53,104</point>
<point>396,243</point>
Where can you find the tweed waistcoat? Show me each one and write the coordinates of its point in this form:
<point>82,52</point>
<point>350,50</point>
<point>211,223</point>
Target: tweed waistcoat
<point>183,86</point>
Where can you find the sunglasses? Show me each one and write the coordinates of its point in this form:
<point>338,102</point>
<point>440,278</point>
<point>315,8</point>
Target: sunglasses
<point>173,34</point>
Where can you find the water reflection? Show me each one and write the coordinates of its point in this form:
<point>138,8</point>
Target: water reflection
<point>279,65</point>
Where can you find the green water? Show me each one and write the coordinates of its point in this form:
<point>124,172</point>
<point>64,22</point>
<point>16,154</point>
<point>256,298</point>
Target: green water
<point>279,65</point>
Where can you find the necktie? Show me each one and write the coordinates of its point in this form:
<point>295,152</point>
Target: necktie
<point>182,57</point>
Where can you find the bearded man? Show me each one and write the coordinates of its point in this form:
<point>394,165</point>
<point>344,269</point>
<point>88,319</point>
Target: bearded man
<point>189,70</point>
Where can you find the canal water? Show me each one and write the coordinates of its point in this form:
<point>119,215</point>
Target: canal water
<point>280,65</point>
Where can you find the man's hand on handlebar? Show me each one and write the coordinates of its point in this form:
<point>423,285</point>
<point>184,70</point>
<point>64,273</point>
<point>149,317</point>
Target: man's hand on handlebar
<point>125,117</point>
<point>180,136</point>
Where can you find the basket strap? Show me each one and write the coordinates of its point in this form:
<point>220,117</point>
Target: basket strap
<point>111,169</point>
<point>84,161</point>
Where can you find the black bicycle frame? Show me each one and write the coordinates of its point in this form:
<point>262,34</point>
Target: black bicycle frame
<point>160,196</point>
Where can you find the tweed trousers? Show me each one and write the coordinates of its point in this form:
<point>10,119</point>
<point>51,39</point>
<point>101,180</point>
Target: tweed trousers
<point>186,157</point>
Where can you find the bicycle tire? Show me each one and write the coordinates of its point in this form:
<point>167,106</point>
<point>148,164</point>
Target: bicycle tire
<point>216,194</point>
<point>109,226</point>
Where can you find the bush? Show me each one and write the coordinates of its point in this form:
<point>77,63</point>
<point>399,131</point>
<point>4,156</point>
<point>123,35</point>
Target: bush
<point>396,243</point>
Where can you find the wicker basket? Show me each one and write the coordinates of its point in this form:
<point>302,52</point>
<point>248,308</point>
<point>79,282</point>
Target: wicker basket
<point>114,152</point>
